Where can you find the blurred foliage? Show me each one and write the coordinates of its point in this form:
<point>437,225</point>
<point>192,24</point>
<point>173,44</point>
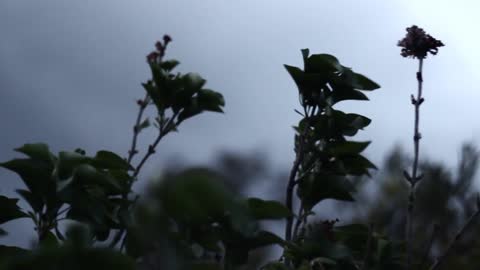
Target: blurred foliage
<point>87,215</point>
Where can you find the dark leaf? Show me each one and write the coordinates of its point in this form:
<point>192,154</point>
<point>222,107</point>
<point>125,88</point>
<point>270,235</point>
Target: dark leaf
<point>35,201</point>
<point>321,186</point>
<point>363,83</point>
<point>38,151</point>
<point>169,65</point>
<point>261,209</point>
<point>68,161</point>
<point>9,210</point>
<point>323,63</point>
<point>110,160</point>
<point>193,81</point>
<point>347,148</point>
<point>36,174</point>
<point>210,100</point>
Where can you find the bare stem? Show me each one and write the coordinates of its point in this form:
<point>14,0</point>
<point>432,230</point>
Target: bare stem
<point>413,177</point>
<point>455,240</point>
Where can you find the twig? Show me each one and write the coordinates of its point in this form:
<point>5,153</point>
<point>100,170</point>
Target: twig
<point>136,128</point>
<point>455,240</point>
<point>413,178</point>
<point>164,130</point>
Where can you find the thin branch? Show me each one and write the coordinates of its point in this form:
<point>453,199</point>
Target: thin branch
<point>413,178</point>
<point>455,240</point>
<point>164,130</point>
<point>136,128</point>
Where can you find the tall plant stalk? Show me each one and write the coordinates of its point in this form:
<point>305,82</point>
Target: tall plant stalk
<point>416,44</point>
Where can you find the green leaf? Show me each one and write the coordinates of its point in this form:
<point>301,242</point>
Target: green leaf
<point>68,161</point>
<point>320,186</point>
<point>195,196</point>
<point>36,174</point>
<point>322,63</point>
<point>363,83</point>
<point>347,148</point>
<point>9,210</point>
<point>305,54</point>
<point>87,175</point>
<point>169,65</point>
<point>210,100</point>
<point>38,151</point>
<point>152,91</point>
<point>261,209</point>
<point>296,74</point>
<point>338,96</point>
<point>34,200</point>
<point>110,160</point>
<point>357,165</point>
<point>193,81</point>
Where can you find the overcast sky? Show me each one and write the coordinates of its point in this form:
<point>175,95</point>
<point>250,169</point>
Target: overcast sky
<point>70,72</point>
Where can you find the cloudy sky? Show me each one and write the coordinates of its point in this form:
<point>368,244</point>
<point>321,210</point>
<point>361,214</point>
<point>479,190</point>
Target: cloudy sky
<point>70,72</point>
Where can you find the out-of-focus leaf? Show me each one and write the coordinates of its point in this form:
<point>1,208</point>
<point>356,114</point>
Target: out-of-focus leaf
<point>262,209</point>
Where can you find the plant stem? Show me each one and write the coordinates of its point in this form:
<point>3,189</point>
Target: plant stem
<point>291,185</point>
<point>413,177</point>
<point>455,240</point>
<point>164,130</point>
<point>136,129</point>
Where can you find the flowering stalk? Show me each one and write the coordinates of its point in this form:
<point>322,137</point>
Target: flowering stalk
<point>416,44</point>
